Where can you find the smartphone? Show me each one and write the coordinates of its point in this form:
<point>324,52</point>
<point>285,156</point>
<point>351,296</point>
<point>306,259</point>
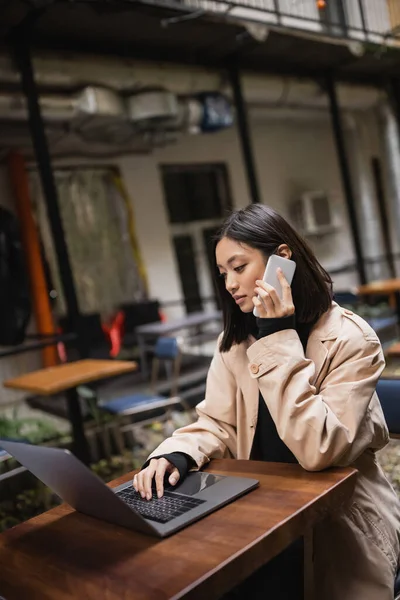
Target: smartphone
<point>270,276</point>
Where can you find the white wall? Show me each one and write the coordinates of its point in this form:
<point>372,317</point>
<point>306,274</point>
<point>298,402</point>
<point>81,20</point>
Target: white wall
<point>291,156</point>
<point>294,157</point>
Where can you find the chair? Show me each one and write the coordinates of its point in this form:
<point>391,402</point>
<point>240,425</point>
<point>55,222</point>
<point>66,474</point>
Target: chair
<point>8,473</point>
<point>388,391</point>
<point>397,586</point>
<point>91,330</point>
<point>166,350</point>
<point>139,404</point>
<point>3,455</point>
<point>139,313</point>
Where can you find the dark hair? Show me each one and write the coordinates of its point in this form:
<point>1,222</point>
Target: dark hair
<point>260,227</point>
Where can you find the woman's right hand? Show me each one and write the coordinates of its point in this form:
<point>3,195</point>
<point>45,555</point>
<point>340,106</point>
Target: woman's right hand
<point>157,469</point>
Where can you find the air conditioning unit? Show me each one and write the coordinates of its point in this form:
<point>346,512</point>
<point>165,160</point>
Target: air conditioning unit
<point>153,109</point>
<point>313,214</point>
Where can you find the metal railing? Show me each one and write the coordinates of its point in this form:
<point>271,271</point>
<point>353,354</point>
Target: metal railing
<point>375,21</point>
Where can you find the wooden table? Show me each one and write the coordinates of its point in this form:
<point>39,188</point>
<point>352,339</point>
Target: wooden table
<point>66,378</point>
<point>62,554</point>
<point>385,287</point>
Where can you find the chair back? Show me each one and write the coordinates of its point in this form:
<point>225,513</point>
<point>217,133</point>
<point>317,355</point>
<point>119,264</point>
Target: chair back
<point>139,313</point>
<point>346,298</point>
<point>91,330</point>
<point>388,391</point>
<point>167,350</point>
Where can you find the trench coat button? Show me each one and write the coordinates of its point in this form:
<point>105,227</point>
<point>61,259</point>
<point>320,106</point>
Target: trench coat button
<point>348,312</point>
<point>254,368</point>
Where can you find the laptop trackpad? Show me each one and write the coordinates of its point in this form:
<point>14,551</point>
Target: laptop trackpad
<point>196,482</point>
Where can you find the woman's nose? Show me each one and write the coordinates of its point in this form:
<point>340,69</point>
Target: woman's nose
<point>231,283</point>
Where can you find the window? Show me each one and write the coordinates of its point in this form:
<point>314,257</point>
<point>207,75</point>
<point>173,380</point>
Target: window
<point>197,199</point>
<point>196,192</point>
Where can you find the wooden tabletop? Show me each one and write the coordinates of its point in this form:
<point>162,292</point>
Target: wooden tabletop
<point>385,286</point>
<point>62,554</point>
<point>69,375</point>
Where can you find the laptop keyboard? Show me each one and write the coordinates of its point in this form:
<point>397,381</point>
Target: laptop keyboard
<point>162,510</point>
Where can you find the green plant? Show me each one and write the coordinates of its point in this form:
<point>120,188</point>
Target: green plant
<point>27,504</point>
<point>116,466</point>
<point>32,429</point>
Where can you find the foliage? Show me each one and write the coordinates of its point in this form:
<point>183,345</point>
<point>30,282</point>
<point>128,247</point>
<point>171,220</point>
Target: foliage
<point>26,505</point>
<point>31,429</point>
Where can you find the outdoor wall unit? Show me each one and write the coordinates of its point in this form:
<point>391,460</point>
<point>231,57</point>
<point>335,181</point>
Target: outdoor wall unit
<point>313,214</point>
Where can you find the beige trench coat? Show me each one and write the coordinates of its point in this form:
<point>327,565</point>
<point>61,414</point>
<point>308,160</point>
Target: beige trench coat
<point>326,411</point>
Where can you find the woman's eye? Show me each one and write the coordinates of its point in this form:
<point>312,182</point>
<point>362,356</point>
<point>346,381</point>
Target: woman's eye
<point>222,275</point>
<point>240,269</point>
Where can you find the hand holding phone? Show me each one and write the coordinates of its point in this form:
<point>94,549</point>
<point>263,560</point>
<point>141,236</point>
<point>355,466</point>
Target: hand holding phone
<point>288,268</point>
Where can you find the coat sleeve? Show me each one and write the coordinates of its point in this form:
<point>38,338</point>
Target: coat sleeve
<point>319,428</point>
<point>213,435</point>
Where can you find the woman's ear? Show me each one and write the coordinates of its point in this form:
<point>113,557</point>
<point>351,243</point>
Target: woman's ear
<point>284,251</point>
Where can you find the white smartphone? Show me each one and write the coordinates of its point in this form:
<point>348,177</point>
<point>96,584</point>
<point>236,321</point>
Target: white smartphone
<point>270,276</point>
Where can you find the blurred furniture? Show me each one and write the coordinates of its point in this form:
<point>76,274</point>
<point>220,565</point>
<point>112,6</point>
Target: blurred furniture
<point>147,334</point>
<point>91,331</point>
<point>3,455</point>
<point>381,317</point>
<point>394,351</point>
<point>385,287</point>
<point>346,298</point>
<point>166,352</point>
<point>137,314</point>
<point>205,560</point>
<point>66,378</point>
<point>388,391</point>
<point>7,472</point>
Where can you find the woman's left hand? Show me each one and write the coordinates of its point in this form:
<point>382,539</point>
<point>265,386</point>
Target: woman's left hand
<point>271,306</point>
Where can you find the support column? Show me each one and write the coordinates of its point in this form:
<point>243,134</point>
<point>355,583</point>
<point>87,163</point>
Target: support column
<point>24,63</point>
<point>345,174</point>
<point>359,134</point>
<point>244,133</point>
<point>391,140</point>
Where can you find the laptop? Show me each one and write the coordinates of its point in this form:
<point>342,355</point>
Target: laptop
<point>198,495</point>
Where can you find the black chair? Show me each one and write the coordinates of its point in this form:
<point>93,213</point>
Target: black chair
<point>91,332</point>
<point>397,586</point>
<point>388,391</point>
<point>138,313</point>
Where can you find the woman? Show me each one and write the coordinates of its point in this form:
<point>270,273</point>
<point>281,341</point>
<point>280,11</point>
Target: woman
<point>296,385</point>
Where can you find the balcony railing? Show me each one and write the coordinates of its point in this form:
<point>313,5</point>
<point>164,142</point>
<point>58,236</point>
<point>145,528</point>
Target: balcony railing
<point>375,21</point>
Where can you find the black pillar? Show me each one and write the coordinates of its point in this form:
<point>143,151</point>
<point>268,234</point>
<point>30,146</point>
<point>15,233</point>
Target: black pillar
<point>383,214</point>
<point>244,133</point>
<point>345,174</point>
<point>393,92</point>
<point>24,62</point>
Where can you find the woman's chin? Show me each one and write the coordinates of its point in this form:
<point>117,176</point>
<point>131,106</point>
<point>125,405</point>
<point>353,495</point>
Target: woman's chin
<point>247,308</point>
